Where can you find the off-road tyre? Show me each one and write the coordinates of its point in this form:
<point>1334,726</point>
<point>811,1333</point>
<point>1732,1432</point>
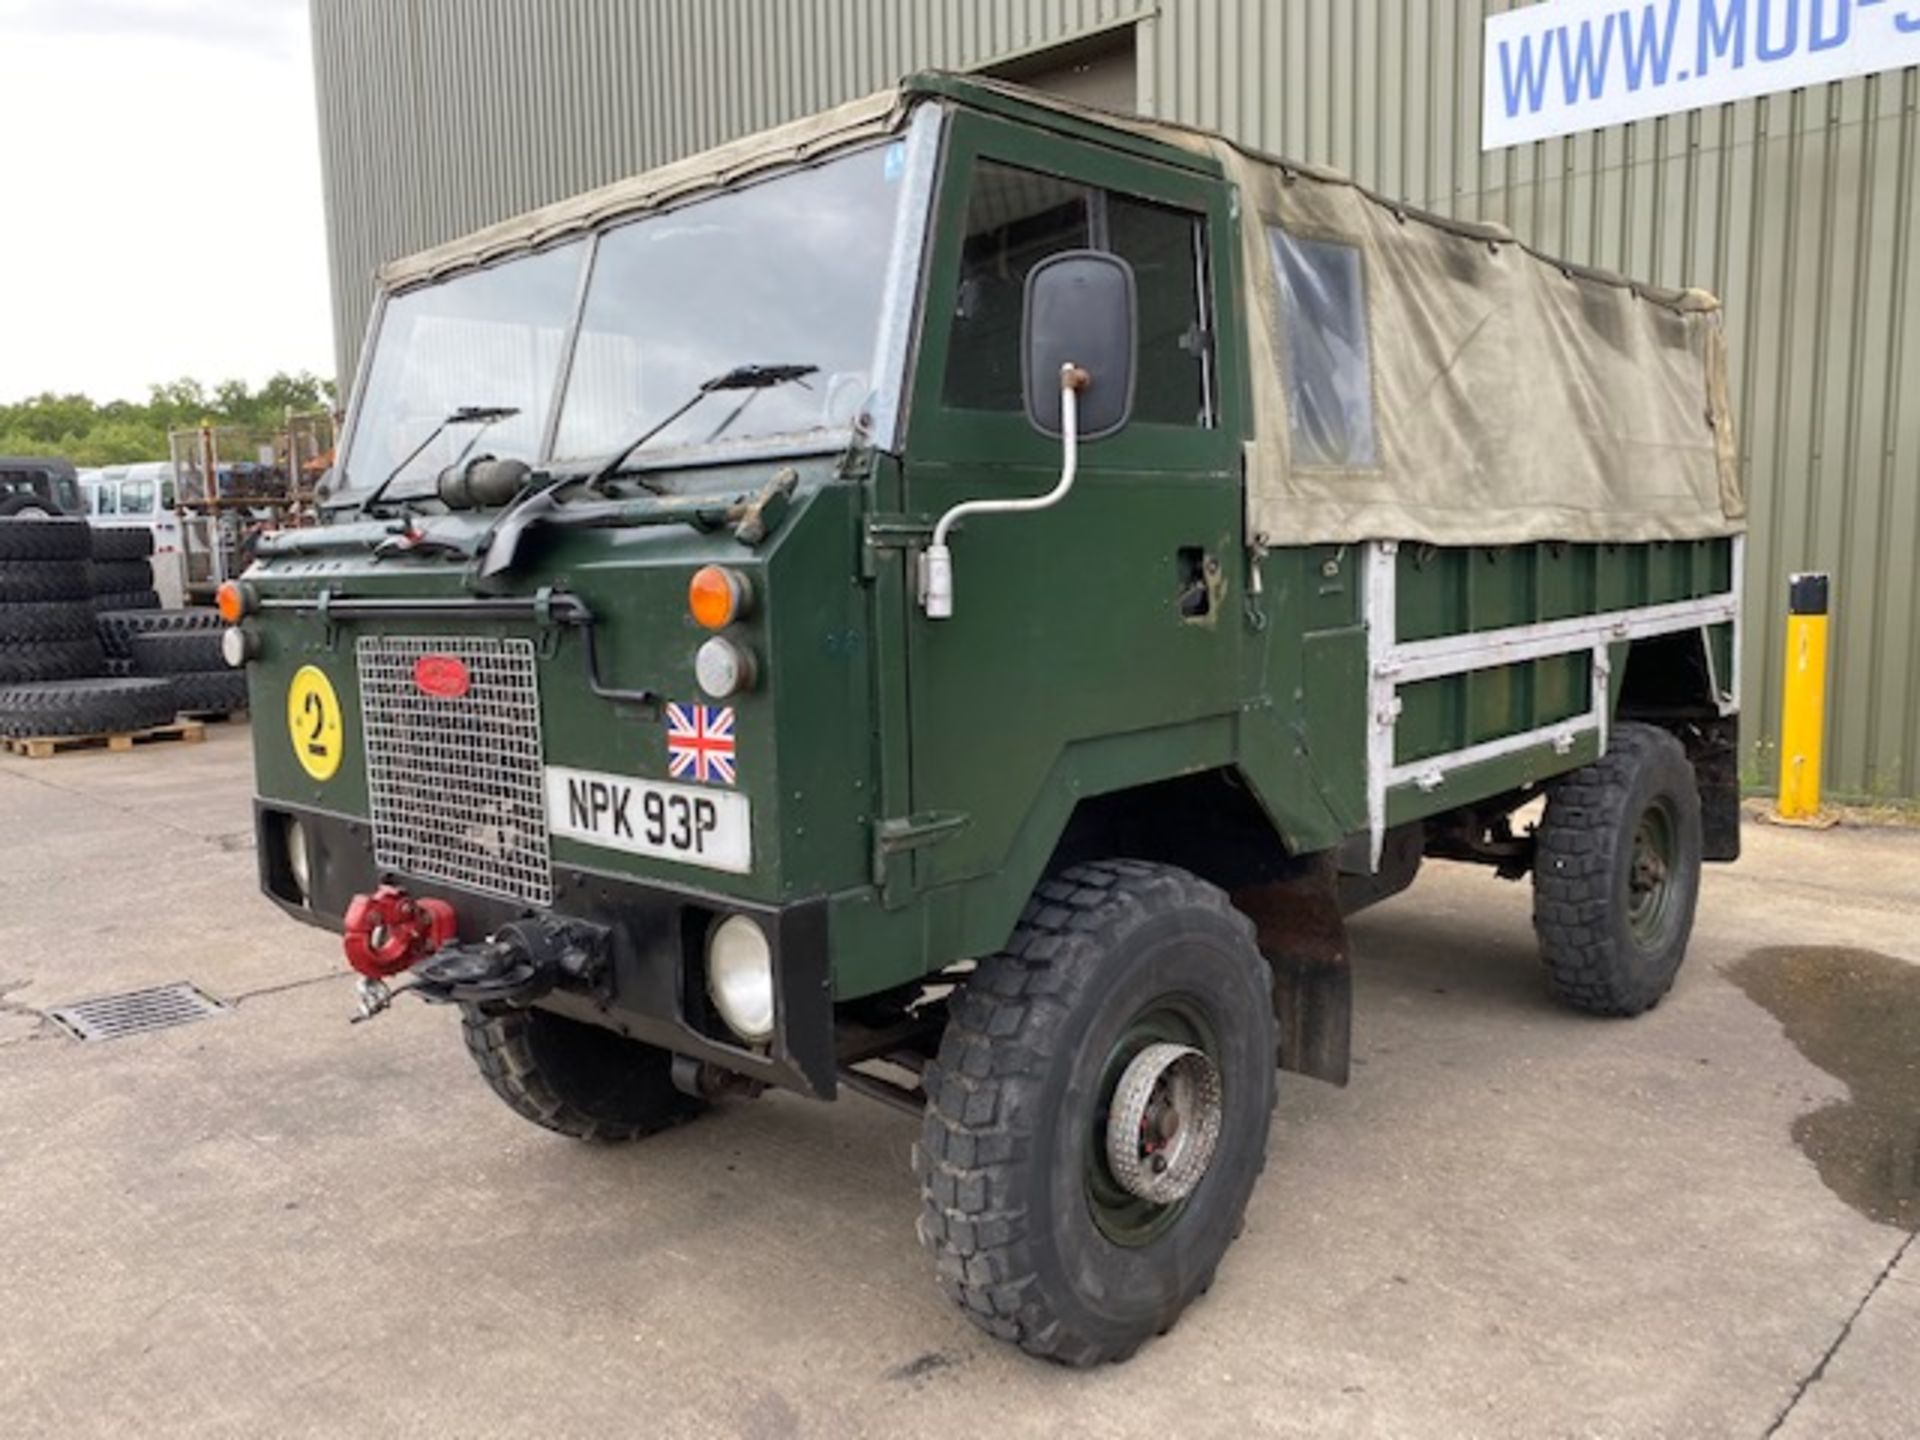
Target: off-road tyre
<point>43,537</point>
<point>85,707</point>
<point>122,542</point>
<point>176,652</point>
<point>34,621</point>
<point>127,600</point>
<point>1610,947</point>
<point>115,577</point>
<point>578,1079</point>
<point>40,582</point>
<point>211,692</point>
<point>28,507</point>
<point>32,662</point>
<point>117,628</point>
<point>1015,1117</point>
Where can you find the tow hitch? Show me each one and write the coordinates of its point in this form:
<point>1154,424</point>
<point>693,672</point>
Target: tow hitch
<point>390,932</point>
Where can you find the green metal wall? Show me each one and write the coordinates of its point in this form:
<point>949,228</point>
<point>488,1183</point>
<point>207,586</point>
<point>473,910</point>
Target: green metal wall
<point>1801,210</point>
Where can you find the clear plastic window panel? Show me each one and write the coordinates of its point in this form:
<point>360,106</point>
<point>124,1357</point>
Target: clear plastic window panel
<point>1329,365</point>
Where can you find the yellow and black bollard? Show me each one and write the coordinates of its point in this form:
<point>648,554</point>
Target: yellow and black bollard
<point>1803,710</point>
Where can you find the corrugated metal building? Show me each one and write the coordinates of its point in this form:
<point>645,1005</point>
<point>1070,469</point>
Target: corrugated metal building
<point>1801,209</point>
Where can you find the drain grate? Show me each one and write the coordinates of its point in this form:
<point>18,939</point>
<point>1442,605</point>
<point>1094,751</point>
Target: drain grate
<point>108,1017</point>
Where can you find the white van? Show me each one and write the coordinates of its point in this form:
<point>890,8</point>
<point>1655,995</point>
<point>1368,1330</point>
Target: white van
<point>142,494</point>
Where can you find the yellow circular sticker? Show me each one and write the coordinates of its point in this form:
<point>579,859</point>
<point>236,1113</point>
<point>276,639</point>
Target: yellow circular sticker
<point>313,720</point>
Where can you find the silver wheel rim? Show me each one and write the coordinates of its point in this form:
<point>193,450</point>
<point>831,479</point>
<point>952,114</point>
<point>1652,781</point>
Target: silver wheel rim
<point>1164,1122</point>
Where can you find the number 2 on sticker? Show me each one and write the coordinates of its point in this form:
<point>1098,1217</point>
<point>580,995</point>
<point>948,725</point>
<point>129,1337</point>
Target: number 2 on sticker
<point>316,710</point>
<point>314,723</point>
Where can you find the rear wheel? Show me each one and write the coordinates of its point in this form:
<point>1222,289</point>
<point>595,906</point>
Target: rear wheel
<point>574,1078</point>
<point>1616,874</point>
<point>1098,1113</point>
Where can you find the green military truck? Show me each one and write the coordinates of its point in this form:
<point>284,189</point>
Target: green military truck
<point>955,599</point>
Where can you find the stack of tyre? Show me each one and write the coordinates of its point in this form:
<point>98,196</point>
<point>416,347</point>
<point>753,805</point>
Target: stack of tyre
<point>140,639</point>
<point>53,678</point>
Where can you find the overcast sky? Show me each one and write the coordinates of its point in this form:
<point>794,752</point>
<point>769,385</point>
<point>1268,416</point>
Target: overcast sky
<point>160,210</point>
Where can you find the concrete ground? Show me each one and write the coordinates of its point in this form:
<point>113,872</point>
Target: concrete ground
<point>1516,1221</point>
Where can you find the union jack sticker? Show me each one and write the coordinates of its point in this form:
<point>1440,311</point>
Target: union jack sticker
<point>700,742</point>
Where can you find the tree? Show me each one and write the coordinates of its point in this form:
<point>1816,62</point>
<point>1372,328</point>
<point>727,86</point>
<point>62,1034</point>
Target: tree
<point>125,431</point>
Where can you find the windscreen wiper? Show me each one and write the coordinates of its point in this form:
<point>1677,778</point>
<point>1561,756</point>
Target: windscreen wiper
<point>741,377</point>
<point>481,415</point>
<point>536,505</point>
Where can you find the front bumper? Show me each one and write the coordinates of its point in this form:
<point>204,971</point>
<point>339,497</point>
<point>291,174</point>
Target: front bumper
<point>656,991</point>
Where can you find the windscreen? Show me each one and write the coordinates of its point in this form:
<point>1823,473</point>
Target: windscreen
<point>789,271</point>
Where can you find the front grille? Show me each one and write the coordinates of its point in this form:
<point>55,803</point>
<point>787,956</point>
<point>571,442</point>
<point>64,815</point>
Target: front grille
<point>455,784</point>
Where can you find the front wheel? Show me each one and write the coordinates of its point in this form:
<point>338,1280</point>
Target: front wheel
<point>578,1079</point>
<point>1616,874</point>
<point>1098,1112</point>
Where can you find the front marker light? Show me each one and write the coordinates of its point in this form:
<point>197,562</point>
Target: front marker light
<point>723,668</point>
<point>740,977</point>
<point>236,646</point>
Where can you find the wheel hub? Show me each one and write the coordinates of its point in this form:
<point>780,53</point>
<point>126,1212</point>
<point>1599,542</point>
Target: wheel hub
<point>1164,1122</point>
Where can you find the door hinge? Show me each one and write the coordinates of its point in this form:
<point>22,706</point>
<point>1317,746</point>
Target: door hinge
<point>912,832</point>
<point>892,532</point>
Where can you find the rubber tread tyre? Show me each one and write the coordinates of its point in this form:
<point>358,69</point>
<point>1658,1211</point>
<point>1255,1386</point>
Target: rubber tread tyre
<point>28,507</point>
<point>176,652</point>
<point>211,692</point>
<point>112,577</point>
<point>117,628</point>
<point>40,620</point>
<point>85,707</point>
<point>127,600</point>
<point>29,582</point>
<point>44,538</point>
<point>1013,1096</point>
<point>122,542</point>
<point>1582,874</point>
<point>574,1078</point>
<point>30,663</point>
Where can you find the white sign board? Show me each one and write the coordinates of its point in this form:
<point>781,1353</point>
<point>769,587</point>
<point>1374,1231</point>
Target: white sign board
<point>1566,66</point>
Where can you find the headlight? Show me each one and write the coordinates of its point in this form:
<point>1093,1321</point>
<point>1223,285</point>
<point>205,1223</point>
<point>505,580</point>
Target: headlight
<point>740,977</point>
<point>299,861</point>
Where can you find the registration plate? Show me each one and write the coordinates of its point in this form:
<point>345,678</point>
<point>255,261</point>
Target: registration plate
<point>688,823</point>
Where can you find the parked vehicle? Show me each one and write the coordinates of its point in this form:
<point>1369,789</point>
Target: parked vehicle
<point>125,497</point>
<point>980,592</point>
<point>37,485</point>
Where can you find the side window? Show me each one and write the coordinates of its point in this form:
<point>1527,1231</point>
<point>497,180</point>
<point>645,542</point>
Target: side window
<point>166,495</point>
<point>1323,310</point>
<point>107,500</point>
<point>1165,248</point>
<point>1017,218</point>
<point>136,497</point>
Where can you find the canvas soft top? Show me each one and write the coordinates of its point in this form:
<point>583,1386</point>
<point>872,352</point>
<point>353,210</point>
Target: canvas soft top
<point>1414,377</point>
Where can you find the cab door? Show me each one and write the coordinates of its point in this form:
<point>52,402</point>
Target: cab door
<point>1081,632</point>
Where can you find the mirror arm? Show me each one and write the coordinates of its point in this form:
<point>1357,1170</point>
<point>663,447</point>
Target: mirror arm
<point>936,561</point>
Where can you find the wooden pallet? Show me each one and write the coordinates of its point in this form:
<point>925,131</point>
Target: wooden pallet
<point>39,747</point>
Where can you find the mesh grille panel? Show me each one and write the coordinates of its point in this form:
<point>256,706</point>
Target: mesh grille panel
<point>455,784</point>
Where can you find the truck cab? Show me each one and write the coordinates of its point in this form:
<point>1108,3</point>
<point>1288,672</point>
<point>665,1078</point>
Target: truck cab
<point>949,599</point>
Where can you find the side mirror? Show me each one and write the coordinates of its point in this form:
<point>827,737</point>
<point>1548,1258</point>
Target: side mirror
<point>1079,311</point>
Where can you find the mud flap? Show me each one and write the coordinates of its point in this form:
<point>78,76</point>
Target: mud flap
<point>1304,937</point>
<point>1714,748</point>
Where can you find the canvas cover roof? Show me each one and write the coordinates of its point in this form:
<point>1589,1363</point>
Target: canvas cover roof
<point>1502,396</point>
